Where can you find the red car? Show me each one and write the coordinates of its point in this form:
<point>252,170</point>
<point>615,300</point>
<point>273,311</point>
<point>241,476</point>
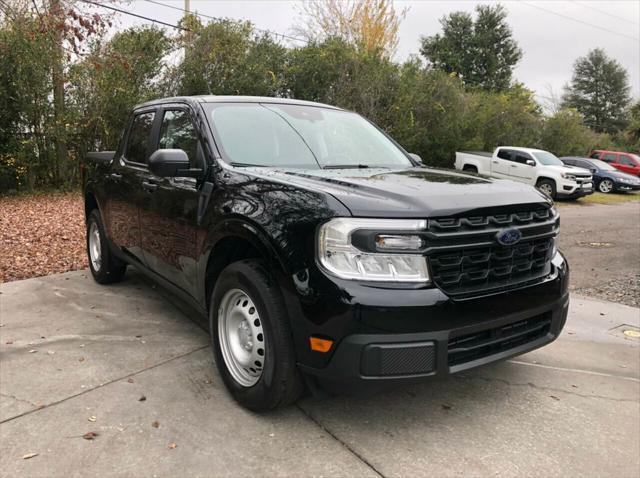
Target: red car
<point>627,162</point>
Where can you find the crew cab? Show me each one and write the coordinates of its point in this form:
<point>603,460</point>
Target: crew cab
<point>319,252</point>
<point>532,166</point>
<point>625,162</point>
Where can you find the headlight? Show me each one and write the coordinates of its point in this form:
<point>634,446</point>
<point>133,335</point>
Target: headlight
<point>570,177</point>
<point>338,255</point>
<point>625,180</point>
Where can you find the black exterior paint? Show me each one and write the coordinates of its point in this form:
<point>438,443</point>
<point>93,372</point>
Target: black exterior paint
<point>171,232</point>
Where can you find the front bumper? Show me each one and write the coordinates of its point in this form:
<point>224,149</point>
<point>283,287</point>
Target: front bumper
<point>459,336</point>
<point>572,189</point>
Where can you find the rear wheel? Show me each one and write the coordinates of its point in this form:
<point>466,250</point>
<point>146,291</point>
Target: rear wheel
<point>470,169</point>
<point>105,268</point>
<point>251,337</point>
<point>547,187</point>
<point>605,186</point>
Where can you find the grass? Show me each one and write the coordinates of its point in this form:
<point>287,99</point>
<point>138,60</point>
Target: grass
<point>600,198</point>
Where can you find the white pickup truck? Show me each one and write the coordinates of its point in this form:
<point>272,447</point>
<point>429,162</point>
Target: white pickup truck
<point>533,166</point>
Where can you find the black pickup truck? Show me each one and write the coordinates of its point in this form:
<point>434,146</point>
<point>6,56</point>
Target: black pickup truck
<point>320,252</point>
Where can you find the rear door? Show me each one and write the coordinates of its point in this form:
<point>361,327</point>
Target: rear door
<point>124,194</point>
<point>169,213</point>
<point>500,163</point>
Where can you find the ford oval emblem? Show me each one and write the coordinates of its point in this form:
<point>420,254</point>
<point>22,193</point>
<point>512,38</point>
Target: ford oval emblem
<point>509,237</point>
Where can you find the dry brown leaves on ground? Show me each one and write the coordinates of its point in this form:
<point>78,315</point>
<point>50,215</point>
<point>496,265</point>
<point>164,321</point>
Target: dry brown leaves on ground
<point>40,235</point>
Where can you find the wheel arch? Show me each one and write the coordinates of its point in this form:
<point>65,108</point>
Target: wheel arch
<point>235,240</point>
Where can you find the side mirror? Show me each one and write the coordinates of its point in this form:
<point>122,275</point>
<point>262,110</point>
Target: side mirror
<point>531,162</point>
<point>170,163</point>
<point>415,159</point>
<point>593,170</point>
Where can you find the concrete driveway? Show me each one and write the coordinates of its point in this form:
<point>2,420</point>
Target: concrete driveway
<point>124,363</point>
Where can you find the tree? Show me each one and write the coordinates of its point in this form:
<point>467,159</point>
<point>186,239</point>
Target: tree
<point>565,134</point>
<point>110,81</point>
<point>599,90</point>
<point>482,52</point>
<point>369,25</point>
<point>228,58</point>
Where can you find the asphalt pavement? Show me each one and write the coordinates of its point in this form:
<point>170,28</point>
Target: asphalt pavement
<point>126,366</point>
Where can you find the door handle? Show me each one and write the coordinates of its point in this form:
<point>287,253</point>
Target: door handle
<point>514,165</point>
<point>495,162</point>
<point>149,186</point>
<point>115,176</point>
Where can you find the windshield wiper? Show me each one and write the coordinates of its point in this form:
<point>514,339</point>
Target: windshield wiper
<point>346,166</point>
<point>247,165</point>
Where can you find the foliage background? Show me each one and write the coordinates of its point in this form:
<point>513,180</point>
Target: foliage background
<point>430,109</point>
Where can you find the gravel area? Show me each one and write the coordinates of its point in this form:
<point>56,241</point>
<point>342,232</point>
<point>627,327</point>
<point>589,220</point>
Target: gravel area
<point>602,245</point>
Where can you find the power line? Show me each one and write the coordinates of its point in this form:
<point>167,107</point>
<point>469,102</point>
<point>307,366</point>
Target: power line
<point>288,37</point>
<point>126,12</point>
<point>579,21</point>
<point>606,13</point>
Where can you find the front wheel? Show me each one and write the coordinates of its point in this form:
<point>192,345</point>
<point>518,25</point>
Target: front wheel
<point>251,337</point>
<point>105,268</point>
<point>605,186</point>
<point>547,187</point>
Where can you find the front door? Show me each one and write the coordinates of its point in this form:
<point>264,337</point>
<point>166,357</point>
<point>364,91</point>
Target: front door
<point>519,169</point>
<point>169,213</point>
<point>124,194</point>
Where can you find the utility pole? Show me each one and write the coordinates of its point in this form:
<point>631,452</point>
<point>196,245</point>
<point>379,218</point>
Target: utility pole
<point>187,6</point>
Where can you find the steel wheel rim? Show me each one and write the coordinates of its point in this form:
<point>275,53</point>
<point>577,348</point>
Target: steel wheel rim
<point>605,186</point>
<point>241,337</point>
<point>95,248</point>
<point>546,189</point>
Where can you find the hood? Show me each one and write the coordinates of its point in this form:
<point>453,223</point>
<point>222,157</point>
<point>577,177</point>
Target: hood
<point>565,168</point>
<point>414,192</point>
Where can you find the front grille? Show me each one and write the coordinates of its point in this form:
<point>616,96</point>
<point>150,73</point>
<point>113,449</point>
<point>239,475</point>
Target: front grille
<point>466,259</point>
<point>467,348</point>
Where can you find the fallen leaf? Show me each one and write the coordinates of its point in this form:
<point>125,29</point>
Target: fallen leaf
<point>92,418</point>
<point>142,399</point>
<point>172,445</point>
<point>9,342</point>
<point>81,359</point>
<point>29,455</point>
<point>32,351</point>
<point>554,397</point>
<point>446,407</point>
<point>156,424</point>
<point>90,435</point>
<point>130,380</point>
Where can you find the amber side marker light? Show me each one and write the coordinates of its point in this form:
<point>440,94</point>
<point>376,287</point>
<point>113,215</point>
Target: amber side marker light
<point>320,345</point>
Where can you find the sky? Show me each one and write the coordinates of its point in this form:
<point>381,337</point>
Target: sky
<point>552,33</point>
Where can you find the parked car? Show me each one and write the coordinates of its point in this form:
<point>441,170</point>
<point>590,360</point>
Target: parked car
<point>317,250</point>
<point>606,178</point>
<point>532,166</point>
<point>625,162</point>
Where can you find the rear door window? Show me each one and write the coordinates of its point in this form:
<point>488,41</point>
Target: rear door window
<point>610,157</point>
<point>139,141</point>
<point>505,154</point>
<point>595,155</point>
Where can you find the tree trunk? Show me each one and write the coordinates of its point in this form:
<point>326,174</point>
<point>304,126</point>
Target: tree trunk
<point>57,75</point>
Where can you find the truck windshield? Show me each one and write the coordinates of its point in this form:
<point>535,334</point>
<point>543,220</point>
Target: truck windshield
<point>548,159</point>
<point>295,136</point>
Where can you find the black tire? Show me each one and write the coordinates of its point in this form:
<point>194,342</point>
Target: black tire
<point>548,185</point>
<point>470,169</point>
<point>606,186</point>
<point>280,383</point>
<point>110,269</point>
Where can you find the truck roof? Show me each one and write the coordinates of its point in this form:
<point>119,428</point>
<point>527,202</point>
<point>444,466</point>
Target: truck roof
<point>524,150</point>
<point>232,99</point>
